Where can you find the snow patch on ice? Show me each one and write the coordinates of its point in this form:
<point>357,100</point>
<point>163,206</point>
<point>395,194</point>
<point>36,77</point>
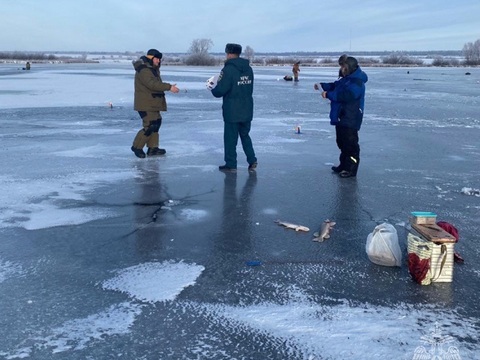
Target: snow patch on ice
<point>470,191</point>
<point>7,269</point>
<point>270,211</point>
<point>193,214</point>
<point>46,215</point>
<point>316,330</point>
<point>155,282</point>
<point>77,333</point>
<point>54,201</point>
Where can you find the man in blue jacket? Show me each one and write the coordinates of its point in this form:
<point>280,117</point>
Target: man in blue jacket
<point>347,96</point>
<point>235,86</point>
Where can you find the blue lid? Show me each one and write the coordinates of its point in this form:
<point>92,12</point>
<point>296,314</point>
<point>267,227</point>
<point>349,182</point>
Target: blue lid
<point>423,214</point>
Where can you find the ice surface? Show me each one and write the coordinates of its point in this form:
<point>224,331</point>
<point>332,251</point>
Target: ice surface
<point>106,255</point>
<point>77,334</point>
<point>8,269</point>
<point>311,328</point>
<point>44,207</point>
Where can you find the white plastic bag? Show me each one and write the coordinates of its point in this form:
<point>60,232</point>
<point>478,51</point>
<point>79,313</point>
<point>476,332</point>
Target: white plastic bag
<point>382,246</point>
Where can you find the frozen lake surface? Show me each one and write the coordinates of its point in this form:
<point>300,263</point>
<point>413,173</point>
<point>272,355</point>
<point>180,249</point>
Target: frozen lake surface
<point>106,256</point>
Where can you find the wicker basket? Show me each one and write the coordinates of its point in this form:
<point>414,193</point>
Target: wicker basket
<point>440,258</point>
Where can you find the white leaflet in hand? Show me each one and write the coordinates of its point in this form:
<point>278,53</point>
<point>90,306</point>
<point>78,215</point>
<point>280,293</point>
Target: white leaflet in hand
<point>212,82</point>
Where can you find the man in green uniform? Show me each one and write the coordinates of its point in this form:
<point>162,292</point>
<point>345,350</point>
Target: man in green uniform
<point>149,101</point>
<point>235,86</point>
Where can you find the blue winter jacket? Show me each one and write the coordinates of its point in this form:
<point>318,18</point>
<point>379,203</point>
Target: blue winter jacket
<point>347,96</point>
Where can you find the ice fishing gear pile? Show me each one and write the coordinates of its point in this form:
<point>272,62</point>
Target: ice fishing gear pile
<point>430,246</point>
<point>431,253</point>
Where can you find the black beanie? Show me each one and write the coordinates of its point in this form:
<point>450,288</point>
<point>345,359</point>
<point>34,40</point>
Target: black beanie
<point>341,59</point>
<point>154,53</point>
<point>233,49</point>
<point>352,64</point>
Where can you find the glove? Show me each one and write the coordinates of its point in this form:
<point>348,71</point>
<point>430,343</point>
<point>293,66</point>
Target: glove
<point>212,82</point>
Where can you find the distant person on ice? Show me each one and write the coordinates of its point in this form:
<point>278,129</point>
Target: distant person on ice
<point>235,86</point>
<point>347,96</point>
<point>149,100</point>
<point>296,70</point>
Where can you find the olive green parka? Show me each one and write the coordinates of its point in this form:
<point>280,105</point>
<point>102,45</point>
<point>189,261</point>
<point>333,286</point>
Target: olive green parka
<point>149,87</point>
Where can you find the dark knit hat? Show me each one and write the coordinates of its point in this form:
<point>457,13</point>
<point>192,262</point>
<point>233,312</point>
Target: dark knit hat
<point>233,49</point>
<point>154,53</point>
<point>341,59</point>
<point>352,64</point>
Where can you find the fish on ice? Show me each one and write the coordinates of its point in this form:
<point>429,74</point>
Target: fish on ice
<point>324,232</point>
<point>292,226</point>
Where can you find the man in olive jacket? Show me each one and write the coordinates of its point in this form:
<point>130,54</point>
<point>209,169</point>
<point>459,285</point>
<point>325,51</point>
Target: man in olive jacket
<point>235,86</point>
<point>149,101</point>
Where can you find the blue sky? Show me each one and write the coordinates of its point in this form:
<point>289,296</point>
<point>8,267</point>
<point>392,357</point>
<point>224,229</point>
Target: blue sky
<point>264,25</point>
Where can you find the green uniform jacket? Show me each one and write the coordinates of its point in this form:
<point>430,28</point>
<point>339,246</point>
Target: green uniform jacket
<point>149,88</point>
<point>235,85</point>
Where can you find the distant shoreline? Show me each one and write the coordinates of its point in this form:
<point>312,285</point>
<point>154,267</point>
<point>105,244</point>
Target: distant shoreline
<point>409,59</point>
<point>69,61</point>
<point>312,65</point>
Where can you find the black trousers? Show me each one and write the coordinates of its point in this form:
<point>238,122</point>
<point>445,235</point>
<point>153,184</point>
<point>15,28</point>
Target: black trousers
<point>347,142</point>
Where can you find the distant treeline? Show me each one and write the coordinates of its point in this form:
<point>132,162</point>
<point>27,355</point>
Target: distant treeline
<point>364,53</point>
<point>389,60</point>
<point>392,59</point>
<point>27,56</point>
<point>203,58</point>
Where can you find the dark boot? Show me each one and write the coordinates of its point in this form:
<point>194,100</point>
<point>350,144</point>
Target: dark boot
<point>225,168</point>
<point>138,152</point>
<point>337,169</point>
<point>346,174</point>
<point>155,151</point>
<point>350,169</point>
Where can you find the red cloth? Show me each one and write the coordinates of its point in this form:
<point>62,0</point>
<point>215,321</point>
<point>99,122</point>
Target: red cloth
<point>417,267</point>
<point>452,230</point>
